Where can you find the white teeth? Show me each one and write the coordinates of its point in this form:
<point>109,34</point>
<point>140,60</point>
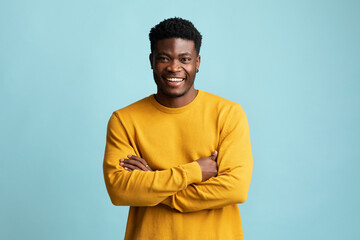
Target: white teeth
<point>175,79</point>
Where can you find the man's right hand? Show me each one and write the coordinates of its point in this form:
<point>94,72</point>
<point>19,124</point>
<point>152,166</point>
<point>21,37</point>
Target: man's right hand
<point>208,166</point>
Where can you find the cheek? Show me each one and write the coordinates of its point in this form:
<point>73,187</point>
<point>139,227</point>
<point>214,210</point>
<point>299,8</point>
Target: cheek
<point>156,71</point>
<point>191,70</point>
<point>158,68</point>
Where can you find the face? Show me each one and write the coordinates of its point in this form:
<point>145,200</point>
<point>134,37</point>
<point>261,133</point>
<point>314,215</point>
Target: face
<point>174,63</point>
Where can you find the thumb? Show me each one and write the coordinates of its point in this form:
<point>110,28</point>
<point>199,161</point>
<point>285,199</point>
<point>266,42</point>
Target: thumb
<point>214,155</point>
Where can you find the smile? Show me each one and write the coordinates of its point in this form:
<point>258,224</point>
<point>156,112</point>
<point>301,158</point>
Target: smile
<point>175,79</point>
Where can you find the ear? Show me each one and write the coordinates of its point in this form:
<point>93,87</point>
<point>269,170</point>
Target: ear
<point>151,61</point>
<point>197,62</point>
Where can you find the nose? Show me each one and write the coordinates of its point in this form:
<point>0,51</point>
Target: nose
<point>174,66</point>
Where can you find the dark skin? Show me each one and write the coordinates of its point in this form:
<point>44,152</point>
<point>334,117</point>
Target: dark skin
<point>175,58</point>
<point>174,62</point>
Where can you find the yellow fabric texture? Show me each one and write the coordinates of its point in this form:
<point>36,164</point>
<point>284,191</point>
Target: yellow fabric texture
<point>172,202</point>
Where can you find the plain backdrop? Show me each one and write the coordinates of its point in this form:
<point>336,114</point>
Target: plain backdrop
<point>65,66</point>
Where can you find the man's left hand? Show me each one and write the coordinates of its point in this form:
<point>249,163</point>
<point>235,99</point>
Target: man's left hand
<point>134,162</point>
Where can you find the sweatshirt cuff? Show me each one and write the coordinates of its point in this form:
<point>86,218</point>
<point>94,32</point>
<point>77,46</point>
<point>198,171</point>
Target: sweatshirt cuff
<point>193,172</point>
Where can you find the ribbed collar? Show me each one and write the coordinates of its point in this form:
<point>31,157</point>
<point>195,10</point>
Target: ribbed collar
<point>175,110</point>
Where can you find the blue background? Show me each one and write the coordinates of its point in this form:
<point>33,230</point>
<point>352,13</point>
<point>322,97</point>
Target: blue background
<point>292,65</point>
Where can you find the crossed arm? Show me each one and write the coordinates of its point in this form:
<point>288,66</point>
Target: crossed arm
<point>207,164</point>
<point>228,186</point>
<point>182,188</point>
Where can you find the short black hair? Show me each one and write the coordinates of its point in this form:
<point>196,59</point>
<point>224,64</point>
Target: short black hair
<point>175,28</point>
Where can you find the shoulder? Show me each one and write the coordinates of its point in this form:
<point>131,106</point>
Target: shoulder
<point>126,117</point>
<point>228,114</point>
<point>137,107</point>
<point>221,105</point>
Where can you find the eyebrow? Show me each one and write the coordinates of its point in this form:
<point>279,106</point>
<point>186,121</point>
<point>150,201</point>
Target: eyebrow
<point>181,54</point>
<point>184,54</point>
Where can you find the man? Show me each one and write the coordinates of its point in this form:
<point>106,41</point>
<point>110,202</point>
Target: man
<point>181,158</point>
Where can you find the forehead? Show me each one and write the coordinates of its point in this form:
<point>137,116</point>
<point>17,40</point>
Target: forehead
<point>175,46</point>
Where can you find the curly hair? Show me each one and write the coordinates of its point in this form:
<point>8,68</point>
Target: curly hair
<point>175,28</point>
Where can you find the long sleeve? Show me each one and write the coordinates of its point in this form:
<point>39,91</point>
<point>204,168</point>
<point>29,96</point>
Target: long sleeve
<point>234,171</point>
<point>171,140</point>
<point>140,188</point>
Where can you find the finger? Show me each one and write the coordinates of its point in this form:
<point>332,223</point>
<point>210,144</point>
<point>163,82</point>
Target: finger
<point>136,163</point>
<point>125,161</point>
<point>143,162</point>
<point>137,159</point>
<point>131,167</point>
<point>214,155</point>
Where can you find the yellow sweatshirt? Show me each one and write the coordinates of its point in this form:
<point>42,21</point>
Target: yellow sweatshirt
<point>172,202</point>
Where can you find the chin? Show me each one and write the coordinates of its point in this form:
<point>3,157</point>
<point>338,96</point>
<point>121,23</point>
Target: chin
<point>174,94</point>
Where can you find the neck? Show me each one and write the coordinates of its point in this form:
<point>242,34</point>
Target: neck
<point>176,102</point>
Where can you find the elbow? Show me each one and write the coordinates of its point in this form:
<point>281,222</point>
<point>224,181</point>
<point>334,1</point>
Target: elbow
<point>117,196</point>
<point>239,193</point>
<point>129,198</point>
<point>115,203</point>
<point>241,198</point>
<point>239,189</point>
<point>116,199</point>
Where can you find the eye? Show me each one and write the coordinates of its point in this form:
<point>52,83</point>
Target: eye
<point>185,59</point>
<point>162,59</point>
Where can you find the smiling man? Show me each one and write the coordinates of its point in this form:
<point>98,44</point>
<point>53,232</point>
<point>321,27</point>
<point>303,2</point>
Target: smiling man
<point>175,63</point>
<point>181,158</point>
